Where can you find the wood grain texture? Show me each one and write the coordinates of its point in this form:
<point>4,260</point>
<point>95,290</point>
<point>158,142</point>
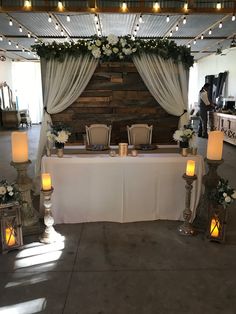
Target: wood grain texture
<point>117,95</point>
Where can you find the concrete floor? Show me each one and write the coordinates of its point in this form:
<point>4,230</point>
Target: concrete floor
<point>133,268</point>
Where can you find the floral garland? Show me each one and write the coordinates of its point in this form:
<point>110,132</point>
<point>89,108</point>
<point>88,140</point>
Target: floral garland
<point>113,48</point>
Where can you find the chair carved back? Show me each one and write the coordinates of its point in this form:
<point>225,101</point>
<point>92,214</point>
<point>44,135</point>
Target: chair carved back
<point>98,134</point>
<point>139,134</point>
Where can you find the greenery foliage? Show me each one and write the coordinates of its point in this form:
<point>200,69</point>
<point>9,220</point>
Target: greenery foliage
<point>223,194</point>
<point>113,48</point>
<point>8,192</point>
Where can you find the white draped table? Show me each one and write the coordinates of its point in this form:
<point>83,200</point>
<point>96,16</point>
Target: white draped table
<point>120,189</point>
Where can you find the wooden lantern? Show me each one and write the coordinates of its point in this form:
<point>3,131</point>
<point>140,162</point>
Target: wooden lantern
<point>11,228</point>
<point>217,224</point>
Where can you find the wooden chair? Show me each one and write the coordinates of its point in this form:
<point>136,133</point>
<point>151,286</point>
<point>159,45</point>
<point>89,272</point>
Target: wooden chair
<point>139,134</point>
<point>98,134</point>
<point>25,118</point>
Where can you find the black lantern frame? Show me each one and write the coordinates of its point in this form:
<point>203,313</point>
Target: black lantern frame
<point>11,227</point>
<point>217,223</point>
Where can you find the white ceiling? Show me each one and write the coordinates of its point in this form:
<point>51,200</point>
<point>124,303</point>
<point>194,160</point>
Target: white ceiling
<point>82,25</point>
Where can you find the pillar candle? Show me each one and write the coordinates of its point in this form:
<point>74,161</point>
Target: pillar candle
<point>19,145</point>
<point>190,168</point>
<point>10,238</point>
<point>46,182</point>
<point>215,145</point>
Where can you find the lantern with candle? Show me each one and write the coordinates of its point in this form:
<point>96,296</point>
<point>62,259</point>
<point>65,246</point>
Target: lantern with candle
<point>11,228</point>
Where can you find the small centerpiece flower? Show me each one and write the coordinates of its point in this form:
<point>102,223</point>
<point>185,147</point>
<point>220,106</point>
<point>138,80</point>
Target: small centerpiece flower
<point>58,134</point>
<point>223,194</point>
<point>184,135</point>
<point>8,192</point>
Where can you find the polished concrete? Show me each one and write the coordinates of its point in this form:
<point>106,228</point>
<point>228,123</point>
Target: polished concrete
<point>111,268</point>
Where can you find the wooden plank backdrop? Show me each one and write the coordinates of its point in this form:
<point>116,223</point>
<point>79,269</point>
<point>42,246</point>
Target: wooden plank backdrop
<point>117,95</point>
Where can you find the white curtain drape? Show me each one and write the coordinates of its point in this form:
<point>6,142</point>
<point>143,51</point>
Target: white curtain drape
<point>167,82</point>
<point>63,82</point>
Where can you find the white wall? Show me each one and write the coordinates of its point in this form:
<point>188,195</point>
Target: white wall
<point>215,64</point>
<point>6,72</point>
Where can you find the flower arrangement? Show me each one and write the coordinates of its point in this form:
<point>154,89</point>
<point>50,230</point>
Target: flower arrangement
<point>8,192</point>
<point>223,194</point>
<point>58,134</point>
<point>184,134</point>
<point>113,48</point>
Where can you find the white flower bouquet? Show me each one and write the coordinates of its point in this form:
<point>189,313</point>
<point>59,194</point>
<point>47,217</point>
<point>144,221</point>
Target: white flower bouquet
<point>58,134</point>
<point>183,135</point>
<point>223,194</point>
<point>8,192</point>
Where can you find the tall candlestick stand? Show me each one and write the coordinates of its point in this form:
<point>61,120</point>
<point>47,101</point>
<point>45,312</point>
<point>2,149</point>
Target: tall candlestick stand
<point>210,181</point>
<point>50,235</point>
<point>30,217</point>
<point>186,228</point>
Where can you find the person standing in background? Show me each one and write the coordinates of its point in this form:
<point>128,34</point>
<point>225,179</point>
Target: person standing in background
<point>204,106</point>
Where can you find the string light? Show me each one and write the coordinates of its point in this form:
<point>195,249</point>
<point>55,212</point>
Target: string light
<point>27,4</point>
<point>184,20</point>
<point>56,26</point>
<point>23,49</point>
<point>156,6</point>
<point>137,27</point>
<point>49,19</point>
<point>202,36</point>
<point>9,42</point>
<point>95,18</point>
<point>194,42</point>
<point>135,32</point>
<point>28,52</point>
<point>124,6</point>
<point>167,19</point>
<point>218,6</point>
<point>68,18</point>
<point>171,33</point>
<point>20,29</point>
<point>189,46</point>
<point>17,46</point>
<point>177,28</point>
<point>220,25</point>
<point>210,31</point>
<point>10,22</point>
<point>35,39</point>
<point>1,38</point>
<point>28,34</point>
<point>140,19</point>
<point>62,32</point>
<point>233,17</point>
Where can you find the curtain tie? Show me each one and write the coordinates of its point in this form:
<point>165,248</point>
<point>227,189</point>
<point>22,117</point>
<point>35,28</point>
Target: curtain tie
<point>45,109</point>
<point>183,113</point>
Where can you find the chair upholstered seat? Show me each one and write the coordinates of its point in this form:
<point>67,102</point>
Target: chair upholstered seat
<point>98,134</point>
<point>139,134</point>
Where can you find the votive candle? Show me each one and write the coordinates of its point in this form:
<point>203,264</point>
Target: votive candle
<point>215,145</point>
<point>46,182</point>
<point>190,168</point>
<point>19,145</point>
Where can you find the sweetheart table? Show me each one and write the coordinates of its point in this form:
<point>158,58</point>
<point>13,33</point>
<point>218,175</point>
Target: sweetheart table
<point>98,187</point>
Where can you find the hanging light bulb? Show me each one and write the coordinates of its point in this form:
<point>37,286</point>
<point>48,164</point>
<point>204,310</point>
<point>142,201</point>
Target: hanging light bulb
<point>20,29</point>
<point>135,32</point>
<point>27,4</point>
<point>17,46</point>
<point>124,6</point>
<point>156,6</point>
<point>177,27</point>
<point>218,5</point>
<point>233,17</point>
<point>185,6</point>
<point>202,36</point>
<point>220,25</point>
<point>140,19</point>
<point>9,42</point>
<point>10,22</point>
<point>95,18</point>
<point>35,39</point>
<point>210,31</point>
<point>23,49</point>
<point>97,25</point>
<point>62,32</point>
<point>68,18</point>
<point>60,6</point>
<point>28,52</point>
<point>1,38</point>
<point>137,27</point>
<point>28,34</point>
<point>167,19</point>
<point>189,46</point>
<point>56,26</point>
<point>184,20</point>
<point>171,33</point>
<point>194,42</point>
<point>49,19</point>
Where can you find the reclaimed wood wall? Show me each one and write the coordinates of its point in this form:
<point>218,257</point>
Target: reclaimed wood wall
<point>117,95</point>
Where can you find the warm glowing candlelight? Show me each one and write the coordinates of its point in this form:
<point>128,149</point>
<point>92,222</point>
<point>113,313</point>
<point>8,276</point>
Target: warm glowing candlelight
<point>46,182</point>
<point>215,224</point>
<point>215,145</point>
<point>123,149</point>
<point>19,142</point>
<point>190,168</point>
<point>10,238</point>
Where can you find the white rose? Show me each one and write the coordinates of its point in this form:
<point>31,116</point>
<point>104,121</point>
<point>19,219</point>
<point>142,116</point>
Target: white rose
<point>228,199</point>
<point>3,190</point>
<point>115,50</point>
<point>112,39</point>
<point>89,47</point>
<point>127,51</point>
<point>96,52</point>
<point>108,52</point>
<point>98,42</point>
<point>224,194</point>
<point>178,135</point>
<point>9,188</point>
<point>11,193</point>
<point>123,42</point>
<point>134,49</point>
<point>62,136</point>
<point>234,195</point>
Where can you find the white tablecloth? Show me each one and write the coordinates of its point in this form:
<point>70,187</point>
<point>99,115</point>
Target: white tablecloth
<point>120,189</point>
